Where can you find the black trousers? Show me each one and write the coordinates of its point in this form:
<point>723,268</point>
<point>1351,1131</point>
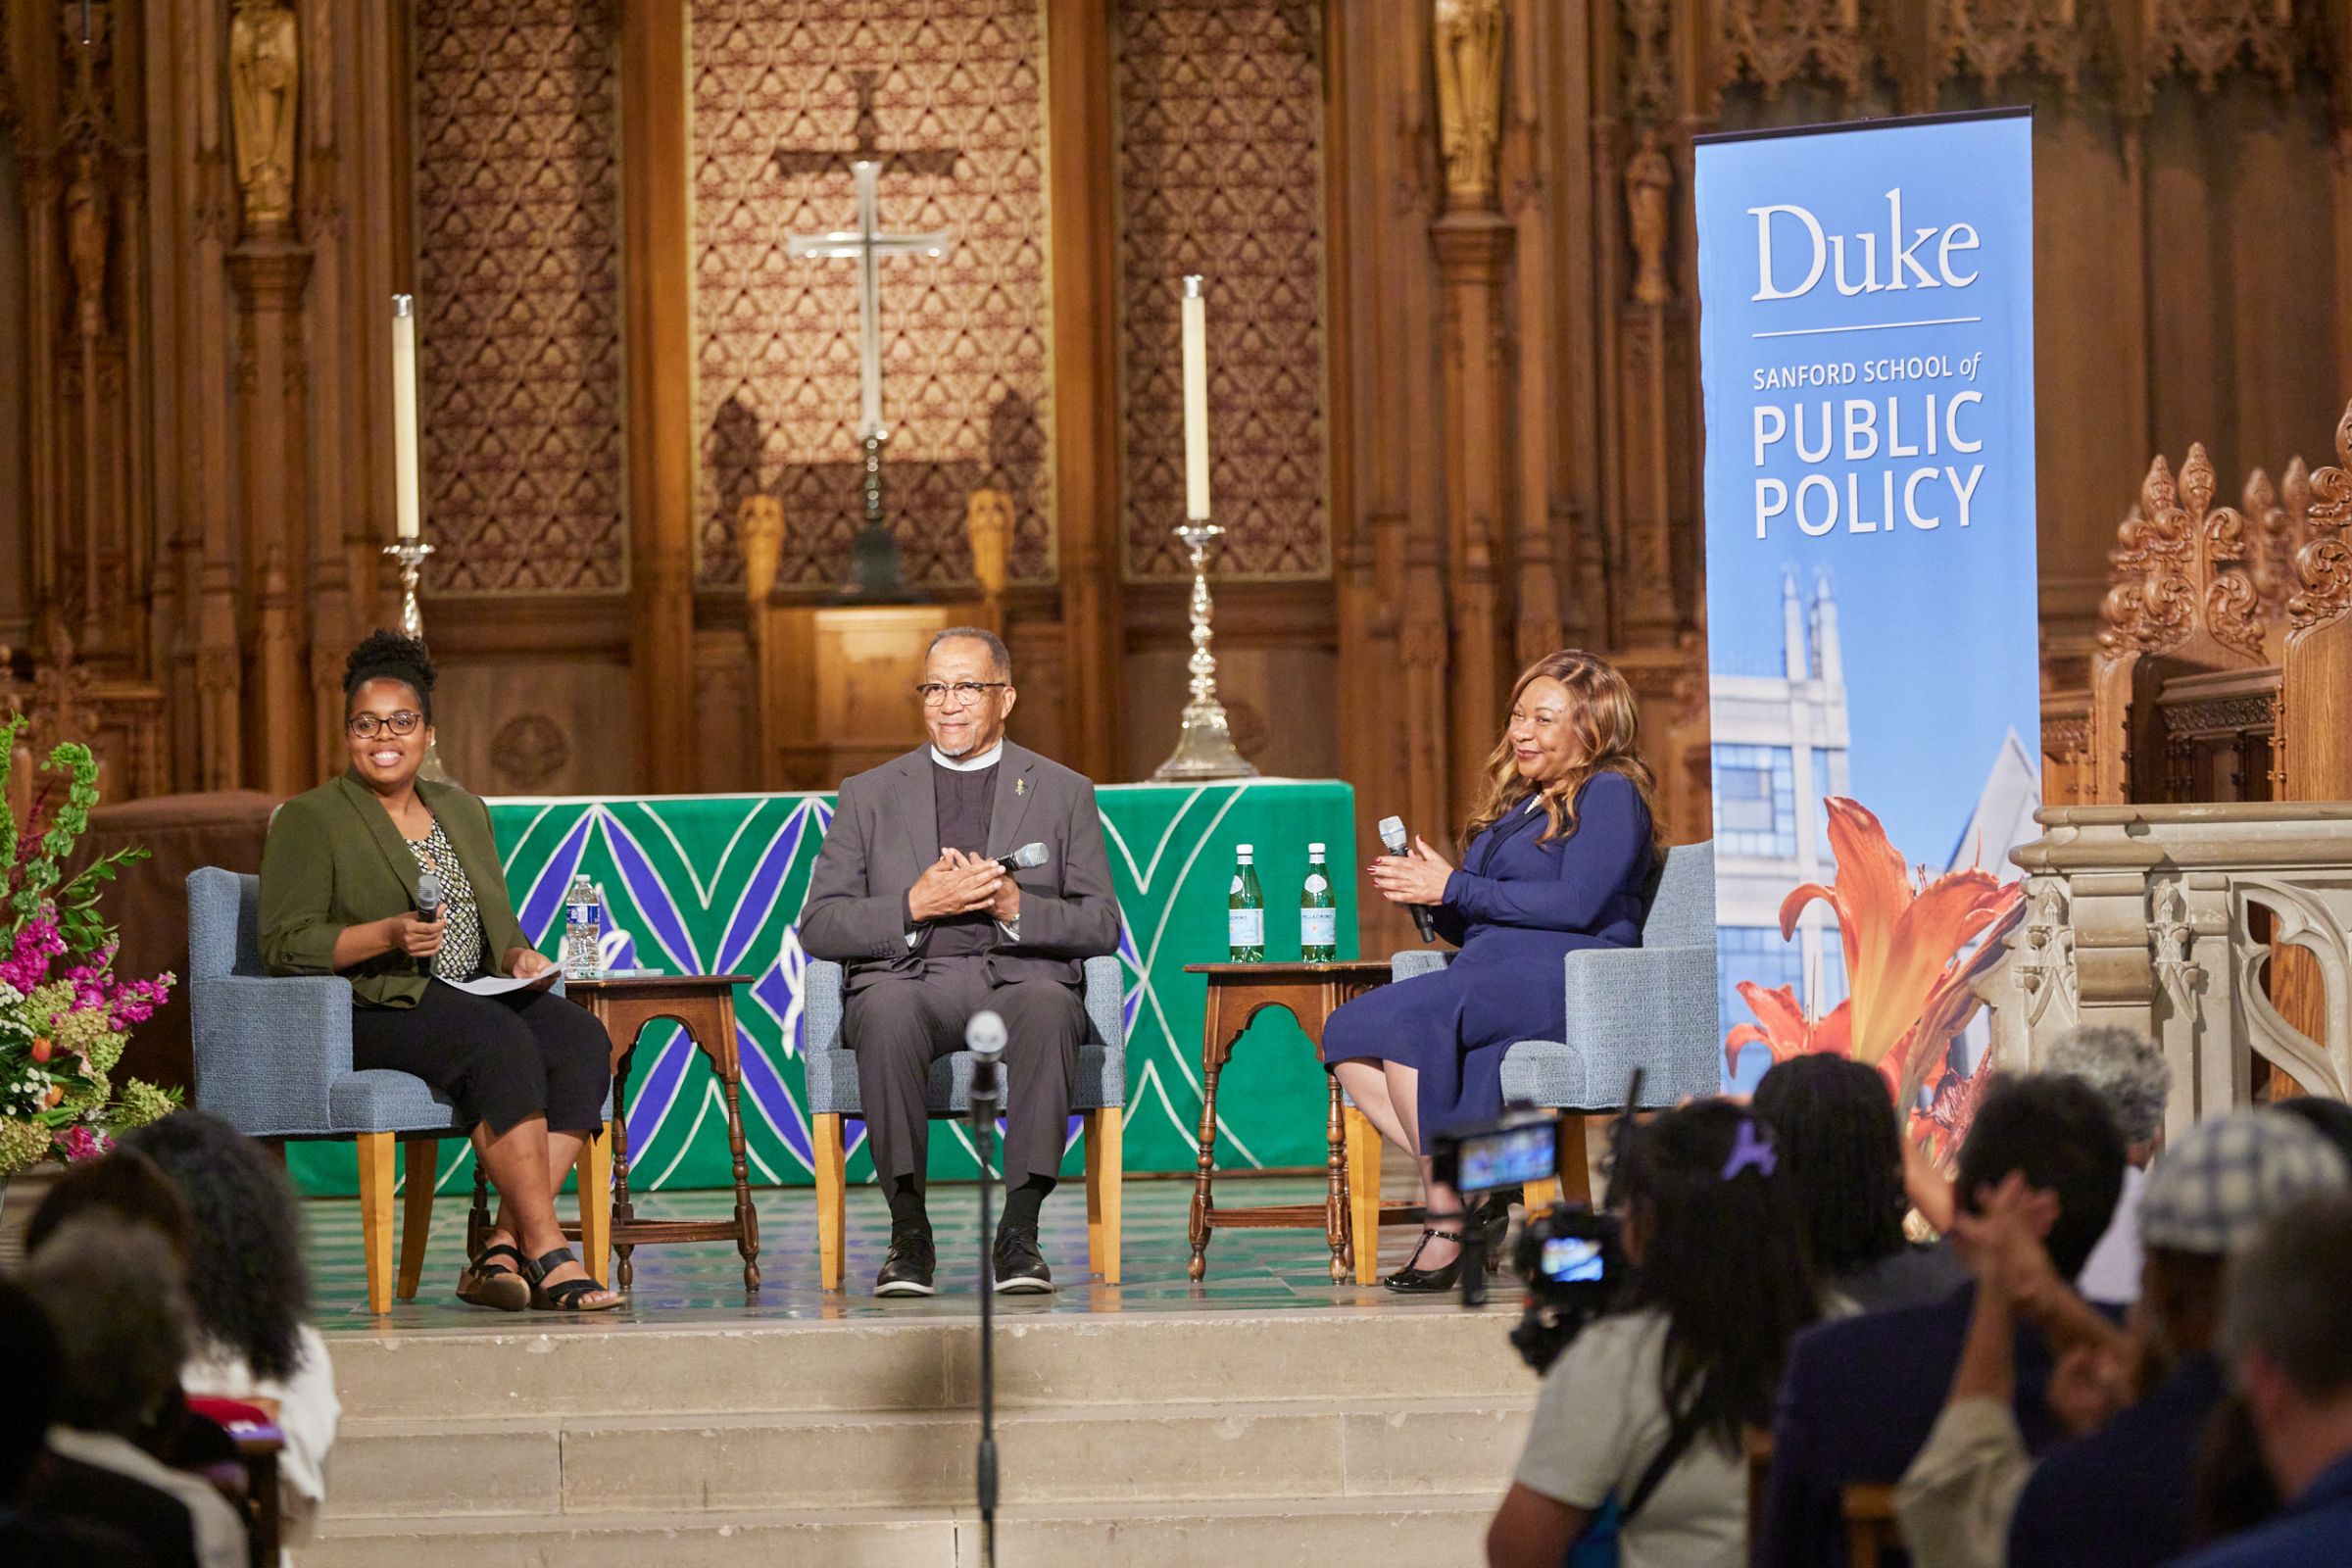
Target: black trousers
<point>899,1027</point>
<point>500,1059</point>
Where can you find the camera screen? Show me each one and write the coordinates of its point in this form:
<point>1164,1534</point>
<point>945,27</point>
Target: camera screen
<point>1508,1158</point>
<point>1572,1259</point>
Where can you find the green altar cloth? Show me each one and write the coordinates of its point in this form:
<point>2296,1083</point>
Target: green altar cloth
<point>712,884</point>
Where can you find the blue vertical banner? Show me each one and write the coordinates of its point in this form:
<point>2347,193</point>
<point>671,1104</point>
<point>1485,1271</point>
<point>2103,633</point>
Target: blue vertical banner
<point>1865,352</point>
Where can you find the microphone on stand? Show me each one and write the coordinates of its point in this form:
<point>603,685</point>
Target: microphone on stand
<point>1027,858</point>
<point>984,1037</point>
<point>1392,839</point>
<point>428,907</point>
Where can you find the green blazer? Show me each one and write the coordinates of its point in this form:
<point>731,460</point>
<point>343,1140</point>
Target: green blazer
<point>335,858</point>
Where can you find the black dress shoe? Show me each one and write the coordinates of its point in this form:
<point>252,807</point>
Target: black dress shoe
<point>1021,1268</point>
<point>1411,1281</point>
<point>908,1270</point>
<point>1490,1223</point>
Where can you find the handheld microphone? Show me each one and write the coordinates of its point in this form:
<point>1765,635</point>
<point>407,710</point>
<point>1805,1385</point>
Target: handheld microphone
<point>984,1037</point>
<point>1027,858</point>
<point>1392,839</point>
<point>428,907</point>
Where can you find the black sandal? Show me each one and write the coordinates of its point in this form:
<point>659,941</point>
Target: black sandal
<point>501,1288</point>
<point>1411,1281</point>
<point>566,1294</point>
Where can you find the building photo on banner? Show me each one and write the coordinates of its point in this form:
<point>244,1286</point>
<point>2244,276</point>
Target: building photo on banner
<point>1867,366</point>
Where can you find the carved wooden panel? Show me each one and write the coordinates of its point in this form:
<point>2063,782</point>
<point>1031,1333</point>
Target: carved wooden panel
<point>1772,43</point>
<point>518,304</point>
<point>1221,172</point>
<point>946,93</point>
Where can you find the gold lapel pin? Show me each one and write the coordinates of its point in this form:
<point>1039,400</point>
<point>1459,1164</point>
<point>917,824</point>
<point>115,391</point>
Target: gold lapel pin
<point>1021,786</point>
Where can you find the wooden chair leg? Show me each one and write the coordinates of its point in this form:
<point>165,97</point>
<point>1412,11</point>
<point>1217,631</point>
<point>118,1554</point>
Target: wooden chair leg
<point>1363,1195</point>
<point>1541,1195</point>
<point>832,1218</point>
<point>1106,1173</point>
<point>420,1163</point>
<point>375,1152</point>
<point>595,1169</point>
<point>1576,1164</point>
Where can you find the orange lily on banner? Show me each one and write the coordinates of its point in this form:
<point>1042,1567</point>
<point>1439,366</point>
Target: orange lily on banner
<point>1908,965</point>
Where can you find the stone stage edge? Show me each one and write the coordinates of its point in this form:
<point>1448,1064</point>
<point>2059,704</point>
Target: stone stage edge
<point>1264,1417</point>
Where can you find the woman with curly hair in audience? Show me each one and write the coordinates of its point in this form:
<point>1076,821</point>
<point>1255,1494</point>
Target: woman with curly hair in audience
<point>251,1295</point>
<point>1649,1405</point>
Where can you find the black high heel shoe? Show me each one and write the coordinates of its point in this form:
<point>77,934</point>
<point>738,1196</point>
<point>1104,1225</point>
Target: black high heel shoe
<point>1411,1281</point>
<point>1490,1223</point>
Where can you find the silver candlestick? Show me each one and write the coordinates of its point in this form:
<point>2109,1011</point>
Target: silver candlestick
<point>1204,750</point>
<point>410,553</point>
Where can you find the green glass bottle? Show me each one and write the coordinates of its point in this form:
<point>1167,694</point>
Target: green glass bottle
<point>1318,911</point>
<point>1245,910</point>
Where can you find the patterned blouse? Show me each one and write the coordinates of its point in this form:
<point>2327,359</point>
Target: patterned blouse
<point>460,955</point>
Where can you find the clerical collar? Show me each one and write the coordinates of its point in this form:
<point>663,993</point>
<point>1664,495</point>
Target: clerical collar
<point>969,764</point>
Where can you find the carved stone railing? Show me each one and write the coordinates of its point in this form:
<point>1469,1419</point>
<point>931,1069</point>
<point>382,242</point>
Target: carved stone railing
<point>2165,918</point>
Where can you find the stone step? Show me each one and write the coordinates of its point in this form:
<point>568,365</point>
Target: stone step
<point>773,1365</point>
<point>1438,1531</point>
<point>1386,1450</point>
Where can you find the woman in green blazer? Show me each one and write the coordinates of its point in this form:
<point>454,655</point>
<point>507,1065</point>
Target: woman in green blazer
<point>527,1069</point>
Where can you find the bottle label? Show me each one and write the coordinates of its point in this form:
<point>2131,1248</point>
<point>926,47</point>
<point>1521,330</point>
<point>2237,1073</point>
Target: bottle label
<point>580,912</point>
<point>1317,883</point>
<point>1246,928</point>
<point>1234,891</point>
<point>1318,928</point>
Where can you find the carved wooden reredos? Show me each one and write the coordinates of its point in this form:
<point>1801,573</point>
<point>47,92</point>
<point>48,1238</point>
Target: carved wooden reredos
<point>1452,338</point>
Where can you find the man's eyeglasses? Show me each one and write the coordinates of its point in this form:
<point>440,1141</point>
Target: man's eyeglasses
<point>935,693</point>
<point>368,726</point>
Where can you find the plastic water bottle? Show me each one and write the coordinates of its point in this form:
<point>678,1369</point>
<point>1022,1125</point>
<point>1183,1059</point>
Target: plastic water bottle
<point>1245,911</point>
<point>583,929</point>
<point>1318,911</point>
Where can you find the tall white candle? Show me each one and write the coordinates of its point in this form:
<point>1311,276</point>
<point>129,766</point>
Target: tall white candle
<point>404,414</point>
<point>1195,401</point>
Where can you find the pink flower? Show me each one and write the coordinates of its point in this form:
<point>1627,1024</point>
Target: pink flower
<point>81,1142</point>
<point>37,941</point>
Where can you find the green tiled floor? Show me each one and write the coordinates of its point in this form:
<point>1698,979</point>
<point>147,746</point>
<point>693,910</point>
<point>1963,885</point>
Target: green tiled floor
<point>1249,1269</point>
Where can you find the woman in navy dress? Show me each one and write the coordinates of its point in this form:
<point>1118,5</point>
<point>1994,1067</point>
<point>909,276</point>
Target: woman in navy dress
<point>1561,856</point>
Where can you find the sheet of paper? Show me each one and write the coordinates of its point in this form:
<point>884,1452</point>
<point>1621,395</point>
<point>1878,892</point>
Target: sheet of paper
<point>492,985</point>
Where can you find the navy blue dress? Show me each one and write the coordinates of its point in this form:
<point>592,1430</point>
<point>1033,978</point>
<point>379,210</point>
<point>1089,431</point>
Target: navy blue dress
<point>1516,908</point>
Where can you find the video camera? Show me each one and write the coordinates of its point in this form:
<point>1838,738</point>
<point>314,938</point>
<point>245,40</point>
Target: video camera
<point>1570,1259</point>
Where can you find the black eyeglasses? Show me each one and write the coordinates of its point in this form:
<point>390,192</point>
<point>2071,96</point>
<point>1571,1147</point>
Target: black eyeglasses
<point>368,726</point>
<point>935,693</point>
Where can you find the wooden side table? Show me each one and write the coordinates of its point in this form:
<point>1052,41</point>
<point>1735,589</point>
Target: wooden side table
<point>704,1006</point>
<point>1236,993</point>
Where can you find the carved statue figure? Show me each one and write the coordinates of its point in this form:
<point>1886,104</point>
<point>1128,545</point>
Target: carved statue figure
<point>1467,35</point>
<point>86,244</point>
<point>988,525</point>
<point>265,69</point>
<point>1648,184</point>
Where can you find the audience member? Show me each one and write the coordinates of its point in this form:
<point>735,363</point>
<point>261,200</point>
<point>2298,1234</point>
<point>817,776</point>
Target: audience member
<point>2286,1334</point>
<point>2119,1496</point>
<point>112,1295</point>
<point>1862,1393</point>
<point>1842,1147</point>
<point>122,1187</point>
<point>2131,1074</point>
<point>1650,1404</point>
<point>250,1293</point>
<point>28,1541</point>
<point>2331,1119</point>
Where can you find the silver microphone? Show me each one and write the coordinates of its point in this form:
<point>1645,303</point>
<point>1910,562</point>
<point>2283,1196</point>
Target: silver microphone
<point>984,1037</point>
<point>1392,839</point>
<point>428,906</point>
<point>1027,858</point>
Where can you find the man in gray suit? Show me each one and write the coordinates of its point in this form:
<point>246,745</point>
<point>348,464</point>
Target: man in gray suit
<point>906,893</point>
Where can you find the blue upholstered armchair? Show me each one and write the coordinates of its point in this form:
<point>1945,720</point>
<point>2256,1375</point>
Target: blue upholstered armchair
<point>274,1060</point>
<point>1099,1095</point>
<point>1651,1006</point>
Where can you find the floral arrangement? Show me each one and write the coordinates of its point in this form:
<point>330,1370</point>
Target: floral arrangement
<point>1912,950</point>
<point>65,1015</point>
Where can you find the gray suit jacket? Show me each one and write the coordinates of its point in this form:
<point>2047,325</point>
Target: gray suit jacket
<point>886,832</point>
